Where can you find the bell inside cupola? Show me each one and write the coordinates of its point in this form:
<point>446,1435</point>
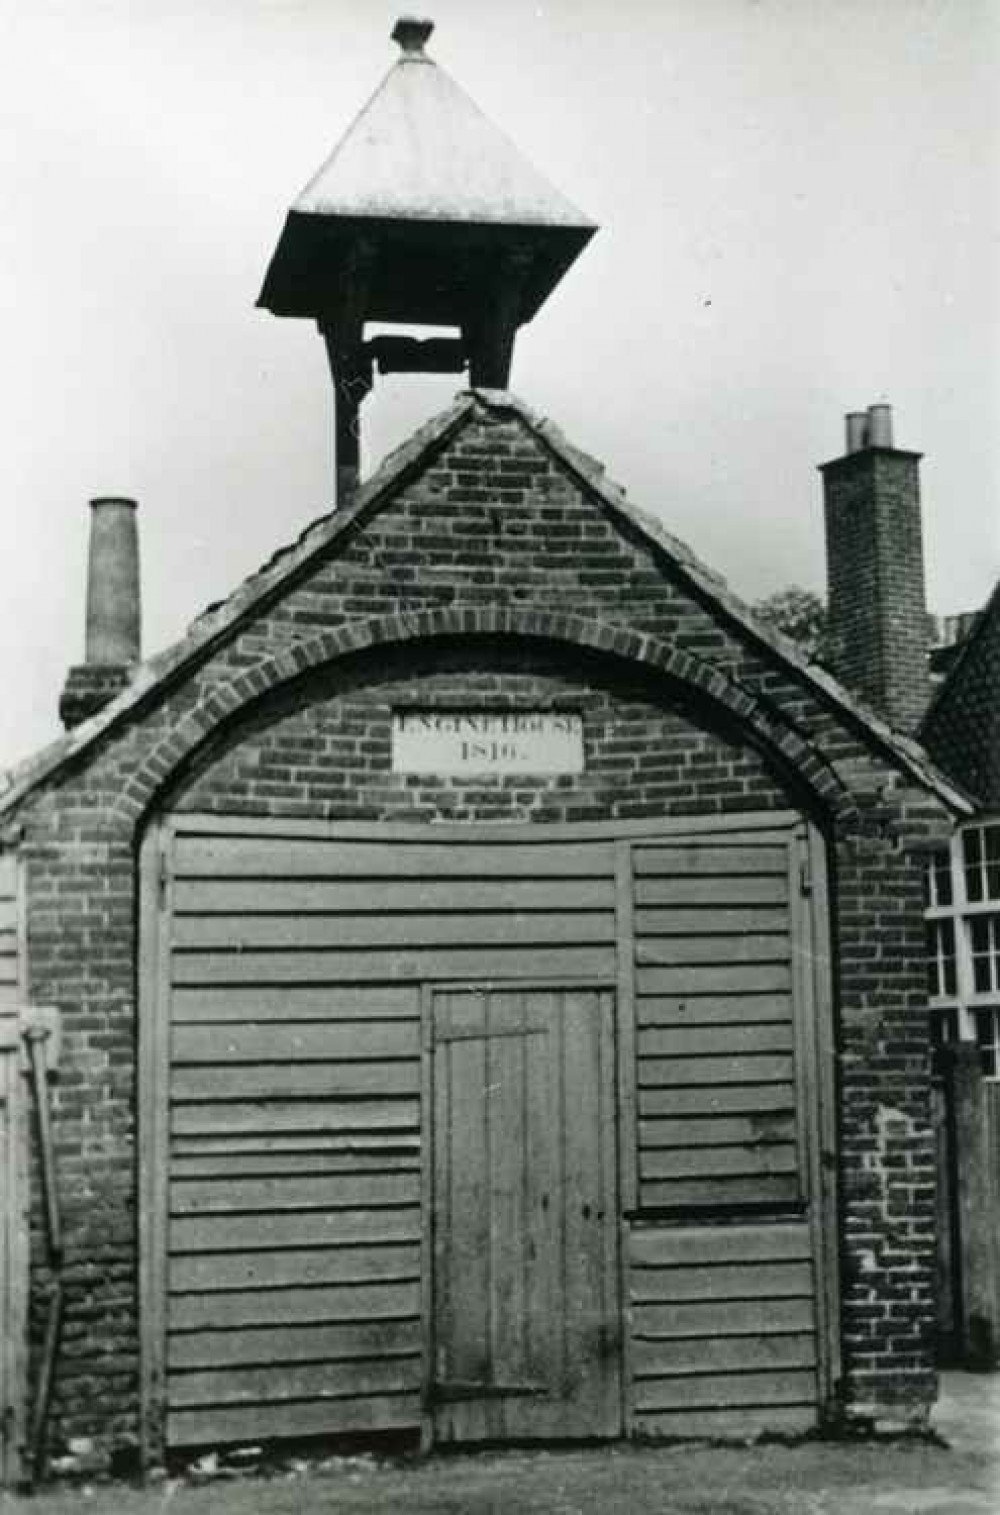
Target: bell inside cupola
<point>423,215</point>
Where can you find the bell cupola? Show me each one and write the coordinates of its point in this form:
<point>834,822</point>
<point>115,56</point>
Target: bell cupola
<point>424,215</point>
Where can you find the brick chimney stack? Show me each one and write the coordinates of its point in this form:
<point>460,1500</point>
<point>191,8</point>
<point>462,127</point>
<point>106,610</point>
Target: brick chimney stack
<point>113,634</point>
<point>875,569</point>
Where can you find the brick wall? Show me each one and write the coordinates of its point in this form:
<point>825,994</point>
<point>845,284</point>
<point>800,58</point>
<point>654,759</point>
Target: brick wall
<point>962,727</point>
<point>331,757</point>
<point>875,578</point>
<point>491,570</point>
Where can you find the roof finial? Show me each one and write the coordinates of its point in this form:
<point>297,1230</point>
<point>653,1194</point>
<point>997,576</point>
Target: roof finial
<point>411,32</point>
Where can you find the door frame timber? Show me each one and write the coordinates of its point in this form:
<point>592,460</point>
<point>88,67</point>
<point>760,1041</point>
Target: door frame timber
<point>810,913</point>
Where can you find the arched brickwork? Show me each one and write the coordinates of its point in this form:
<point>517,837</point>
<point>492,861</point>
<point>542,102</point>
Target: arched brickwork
<point>223,702</point>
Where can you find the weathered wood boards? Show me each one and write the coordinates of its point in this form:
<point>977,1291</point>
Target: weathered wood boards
<point>968,1158</point>
<point>11,946</point>
<point>482,1037</point>
<point>13,1255</point>
<point>715,1028</point>
<point>295,1233</point>
<point>524,1215</point>
<point>13,1184</point>
<point>724,1329</point>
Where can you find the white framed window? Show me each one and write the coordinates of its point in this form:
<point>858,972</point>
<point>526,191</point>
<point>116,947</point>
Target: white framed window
<point>943,982</point>
<point>981,859</point>
<point>984,947</point>
<point>963,941</point>
<point>987,1019</point>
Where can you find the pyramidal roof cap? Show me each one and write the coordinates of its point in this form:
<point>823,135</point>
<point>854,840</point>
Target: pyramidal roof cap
<point>421,149</point>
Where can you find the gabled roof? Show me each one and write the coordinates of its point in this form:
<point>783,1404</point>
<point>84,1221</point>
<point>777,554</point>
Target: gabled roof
<point>421,149</point>
<point>984,622</point>
<point>221,621</point>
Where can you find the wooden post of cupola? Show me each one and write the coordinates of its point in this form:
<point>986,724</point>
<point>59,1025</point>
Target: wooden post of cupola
<point>424,215</point>
<point>489,330</point>
<point>342,330</point>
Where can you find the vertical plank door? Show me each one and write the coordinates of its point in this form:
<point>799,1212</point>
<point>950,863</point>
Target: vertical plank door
<point>525,1297</point>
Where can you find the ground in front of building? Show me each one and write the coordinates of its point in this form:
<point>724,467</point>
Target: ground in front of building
<point>905,1477</point>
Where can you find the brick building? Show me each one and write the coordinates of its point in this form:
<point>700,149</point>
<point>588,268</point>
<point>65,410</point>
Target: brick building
<point>948,694</point>
<point>961,729</point>
<point>489,979</point>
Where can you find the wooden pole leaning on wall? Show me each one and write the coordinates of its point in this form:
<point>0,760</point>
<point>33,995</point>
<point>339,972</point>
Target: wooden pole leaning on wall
<point>972,1126</point>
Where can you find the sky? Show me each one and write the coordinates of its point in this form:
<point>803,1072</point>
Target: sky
<point>799,204</point>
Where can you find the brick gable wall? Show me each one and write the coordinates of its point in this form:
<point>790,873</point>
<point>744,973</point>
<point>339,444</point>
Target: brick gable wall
<point>495,541</point>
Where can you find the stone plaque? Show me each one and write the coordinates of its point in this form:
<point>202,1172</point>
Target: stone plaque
<point>487,741</point>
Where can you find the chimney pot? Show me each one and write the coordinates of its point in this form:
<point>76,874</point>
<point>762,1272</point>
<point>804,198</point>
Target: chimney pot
<point>880,426</point>
<point>113,609</point>
<point>856,428</point>
<point>113,635</point>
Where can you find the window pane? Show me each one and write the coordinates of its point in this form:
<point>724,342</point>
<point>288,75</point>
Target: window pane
<point>991,851</point>
<point>984,939</point>
<point>972,848</point>
<point>941,959</point>
<point>939,878</point>
<point>988,1038</point>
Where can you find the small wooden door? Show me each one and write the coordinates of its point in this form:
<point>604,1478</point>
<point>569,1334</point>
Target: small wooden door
<point>526,1326</point>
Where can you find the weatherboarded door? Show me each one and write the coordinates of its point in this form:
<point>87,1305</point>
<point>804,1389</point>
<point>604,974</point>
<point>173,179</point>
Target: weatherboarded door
<point>525,1290</point>
<point>285,1093</point>
<point>615,1037</point>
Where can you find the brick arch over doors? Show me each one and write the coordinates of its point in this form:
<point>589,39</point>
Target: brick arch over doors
<point>224,704</point>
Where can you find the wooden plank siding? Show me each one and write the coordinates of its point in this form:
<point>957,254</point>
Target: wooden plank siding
<point>299,965</point>
<point>296,1208</point>
<point>723,1329</point>
<point>14,1126</point>
<point>11,932</point>
<point>723,1290</point>
<point>715,1039</point>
